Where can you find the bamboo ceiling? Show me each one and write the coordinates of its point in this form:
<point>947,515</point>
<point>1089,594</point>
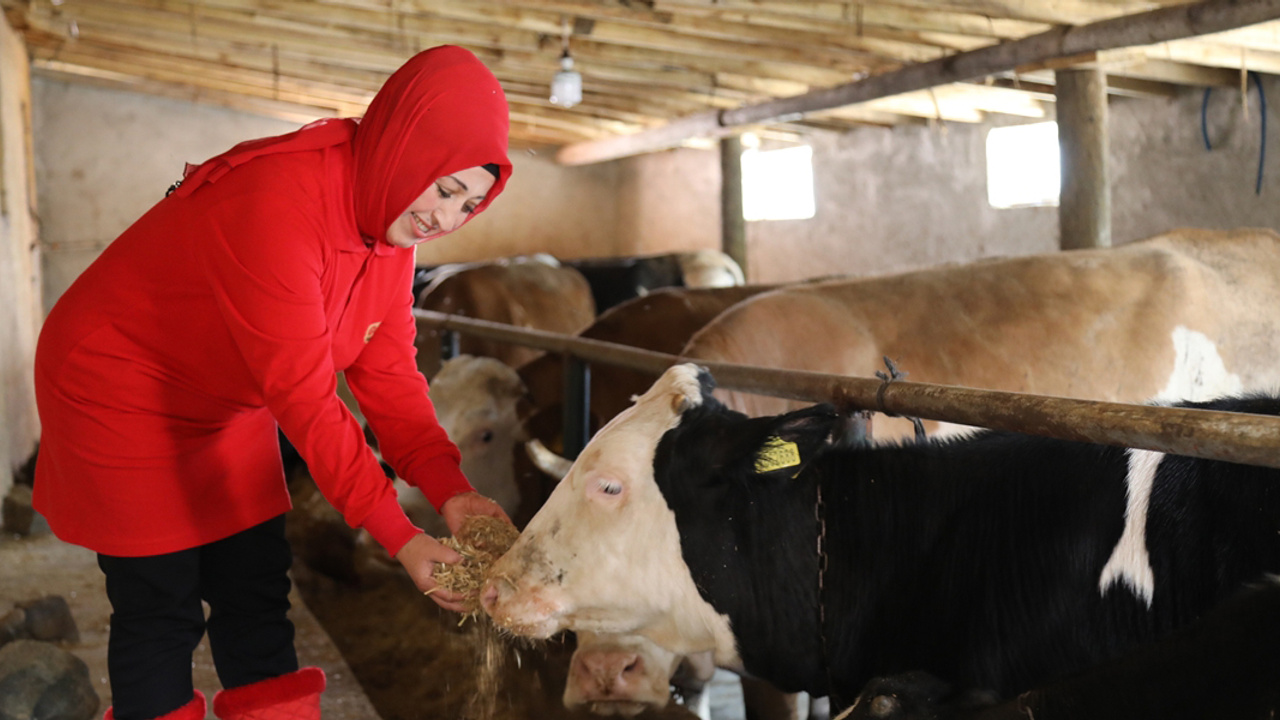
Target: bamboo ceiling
<point>646,64</point>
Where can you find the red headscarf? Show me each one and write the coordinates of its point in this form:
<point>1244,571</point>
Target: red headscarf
<point>441,112</point>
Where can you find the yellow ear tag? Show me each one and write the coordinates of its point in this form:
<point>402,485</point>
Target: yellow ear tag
<point>776,454</point>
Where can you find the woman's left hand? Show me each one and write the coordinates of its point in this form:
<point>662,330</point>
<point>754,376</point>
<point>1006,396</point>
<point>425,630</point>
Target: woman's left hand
<point>457,508</point>
<point>419,557</point>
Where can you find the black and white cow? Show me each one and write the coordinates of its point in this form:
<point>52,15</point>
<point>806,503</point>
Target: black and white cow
<point>997,562</point>
<point>1225,665</point>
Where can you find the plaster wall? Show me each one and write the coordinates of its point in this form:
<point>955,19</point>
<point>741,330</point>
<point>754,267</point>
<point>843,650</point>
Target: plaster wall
<point>1163,176</point>
<point>891,200</point>
<point>888,200</point>
<point>104,157</point>
<point>19,261</point>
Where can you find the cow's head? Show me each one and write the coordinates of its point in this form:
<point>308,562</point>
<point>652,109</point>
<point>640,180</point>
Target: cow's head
<point>627,674</point>
<point>575,565</point>
<point>610,551</point>
<point>476,400</point>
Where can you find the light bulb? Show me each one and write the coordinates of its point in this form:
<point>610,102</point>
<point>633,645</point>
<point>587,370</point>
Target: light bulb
<point>566,86</point>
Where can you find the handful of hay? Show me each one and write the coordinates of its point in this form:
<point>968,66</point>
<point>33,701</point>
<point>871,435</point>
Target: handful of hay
<point>480,541</point>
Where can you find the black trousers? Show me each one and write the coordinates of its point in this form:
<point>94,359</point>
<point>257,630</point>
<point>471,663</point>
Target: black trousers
<point>157,618</point>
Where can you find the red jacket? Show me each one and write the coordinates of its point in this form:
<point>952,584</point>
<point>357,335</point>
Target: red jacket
<point>162,372</point>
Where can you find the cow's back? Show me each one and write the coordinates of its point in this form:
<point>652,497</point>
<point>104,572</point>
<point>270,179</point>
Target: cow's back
<point>1244,265</point>
<point>662,321</point>
<point>524,292</point>
<point>1112,324</point>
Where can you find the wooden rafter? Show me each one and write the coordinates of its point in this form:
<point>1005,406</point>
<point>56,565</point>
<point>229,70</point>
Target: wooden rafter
<point>670,69</point>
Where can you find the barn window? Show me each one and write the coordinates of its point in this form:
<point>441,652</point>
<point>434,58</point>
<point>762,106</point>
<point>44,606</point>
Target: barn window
<point>1023,165</point>
<point>777,184</point>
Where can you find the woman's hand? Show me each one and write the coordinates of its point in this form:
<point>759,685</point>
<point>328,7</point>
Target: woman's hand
<point>457,508</point>
<point>419,556</point>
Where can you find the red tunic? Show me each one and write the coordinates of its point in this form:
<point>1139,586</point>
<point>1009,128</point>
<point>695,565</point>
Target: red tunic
<point>163,370</point>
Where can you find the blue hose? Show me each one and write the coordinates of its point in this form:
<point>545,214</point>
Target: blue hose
<point>1262,147</point>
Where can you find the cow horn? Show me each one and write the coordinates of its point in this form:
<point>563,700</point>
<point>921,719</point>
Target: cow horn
<point>547,461</point>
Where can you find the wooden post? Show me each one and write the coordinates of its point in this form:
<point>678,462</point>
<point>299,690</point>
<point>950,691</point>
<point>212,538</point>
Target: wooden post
<point>576,412</point>
<point>1084,210</point>
<point>733,231</point>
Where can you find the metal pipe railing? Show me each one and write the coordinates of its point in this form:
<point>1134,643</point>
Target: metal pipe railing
<point>1235,437</point>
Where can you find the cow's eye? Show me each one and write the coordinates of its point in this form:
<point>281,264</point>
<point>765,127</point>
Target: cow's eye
<point>486,436</point>
<point>609,487</point>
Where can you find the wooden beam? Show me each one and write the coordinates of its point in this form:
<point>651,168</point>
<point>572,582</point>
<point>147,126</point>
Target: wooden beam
<point>1147,28</point>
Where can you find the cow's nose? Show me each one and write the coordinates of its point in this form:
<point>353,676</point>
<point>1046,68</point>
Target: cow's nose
<point>611,672</point>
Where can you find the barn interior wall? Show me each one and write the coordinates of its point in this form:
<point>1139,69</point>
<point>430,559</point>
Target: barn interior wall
<point>891,200</point>
<point>545,208</point>
<point>1163,176</point>
<point>19,260</point>
<point>887,199</point>
<point>104,157</point>
<point>670,201</point>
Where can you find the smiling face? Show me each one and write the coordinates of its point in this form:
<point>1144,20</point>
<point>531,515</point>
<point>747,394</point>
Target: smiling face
<point>442,208</point>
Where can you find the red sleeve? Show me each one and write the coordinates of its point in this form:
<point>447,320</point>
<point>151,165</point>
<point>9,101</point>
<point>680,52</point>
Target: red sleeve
<point>393,397</point>
<point>263,257</point>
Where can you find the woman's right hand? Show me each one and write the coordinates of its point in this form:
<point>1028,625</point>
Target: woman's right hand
<point>419,557</point>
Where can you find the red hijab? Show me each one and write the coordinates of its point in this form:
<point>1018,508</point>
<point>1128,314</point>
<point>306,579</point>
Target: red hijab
<point>441,112</point>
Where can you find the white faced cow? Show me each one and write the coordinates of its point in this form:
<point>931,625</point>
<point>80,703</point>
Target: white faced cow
<point>995,562</point>
<point>476,400</point>
<point>625,674</point>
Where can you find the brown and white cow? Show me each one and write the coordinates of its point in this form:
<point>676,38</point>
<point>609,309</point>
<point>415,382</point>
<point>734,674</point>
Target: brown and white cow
<point>998,562</point>
<point>1185,315</point>
<point>534,292</point>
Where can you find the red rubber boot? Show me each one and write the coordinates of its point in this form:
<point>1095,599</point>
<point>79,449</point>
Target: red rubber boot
<point>193,710</point>
<point>295,696</point>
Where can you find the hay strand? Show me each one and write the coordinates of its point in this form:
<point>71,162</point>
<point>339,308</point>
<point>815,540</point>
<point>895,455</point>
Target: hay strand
<point>480,541</point>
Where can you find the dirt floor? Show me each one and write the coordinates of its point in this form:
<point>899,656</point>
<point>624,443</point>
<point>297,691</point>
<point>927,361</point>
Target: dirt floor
<point>39,564</point>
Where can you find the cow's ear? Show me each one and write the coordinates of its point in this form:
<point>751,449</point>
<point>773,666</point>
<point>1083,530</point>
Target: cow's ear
<point>794,440</point>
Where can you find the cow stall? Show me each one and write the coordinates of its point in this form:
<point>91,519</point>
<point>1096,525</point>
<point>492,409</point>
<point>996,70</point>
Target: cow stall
<point>1247,439</point>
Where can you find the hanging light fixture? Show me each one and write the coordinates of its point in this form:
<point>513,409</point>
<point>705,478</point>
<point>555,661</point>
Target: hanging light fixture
<point>566,86</point>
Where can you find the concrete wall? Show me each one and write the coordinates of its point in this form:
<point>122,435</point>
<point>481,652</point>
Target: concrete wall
<point>103,158</point>
<point>1162,176</point>
<point>19,260</point>
<point>903,198</point>
<point>887,199</point>
<point>896,199</point>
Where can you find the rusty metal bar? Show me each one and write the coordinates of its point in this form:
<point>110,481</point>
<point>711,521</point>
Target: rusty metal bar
<point>1235,437</point>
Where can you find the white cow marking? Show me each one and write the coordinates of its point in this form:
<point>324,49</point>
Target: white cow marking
<point>1129,561</point>
<point>1198,370</point>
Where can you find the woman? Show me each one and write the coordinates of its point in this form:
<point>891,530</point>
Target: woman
<point>228,308</point>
